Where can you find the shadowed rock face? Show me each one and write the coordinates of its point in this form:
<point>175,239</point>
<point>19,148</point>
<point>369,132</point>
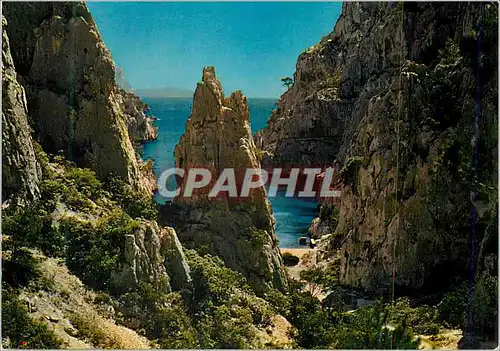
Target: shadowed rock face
<point>241,231</point>
<point>406,214</point>
<point>72,96</point>
<point>21,172</point>
<point>391,94</point>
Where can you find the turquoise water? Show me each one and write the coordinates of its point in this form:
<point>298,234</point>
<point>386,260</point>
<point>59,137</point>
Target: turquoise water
<point>293,215</point>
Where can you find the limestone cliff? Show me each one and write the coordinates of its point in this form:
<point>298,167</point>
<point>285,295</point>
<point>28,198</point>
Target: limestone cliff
<point>21,172</point>
<point>392,94</point>
<point>408,212</point>
<point>152,254</point>
<point>140,127</point>
<point>240,230</point>
<point>69,77</point>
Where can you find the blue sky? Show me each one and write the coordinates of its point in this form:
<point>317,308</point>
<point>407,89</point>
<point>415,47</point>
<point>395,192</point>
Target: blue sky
<point>251,45</point>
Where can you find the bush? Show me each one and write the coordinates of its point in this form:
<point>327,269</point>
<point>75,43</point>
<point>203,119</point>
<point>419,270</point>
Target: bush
<point>31,226</point>
<point>279,301</point>
<point>450,54</point>
<point>161,315</point>
<point>95,249</point>
<point>367,328</point>
<point>20,268</point>
<point>314,328</point>
<point>85,181</point>
<point>453,307</point>
<point>289,259</point>
<point>222,306</point>
<point>226,327</point>
<point>485,305</point>
<point>20,329</point>
<point>134,203</point>
<point>422,319</point>
<point>214,283</point>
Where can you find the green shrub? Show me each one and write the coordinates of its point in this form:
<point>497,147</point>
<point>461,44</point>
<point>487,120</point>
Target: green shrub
<point>453,307</point>
<point>20,329</point>
<point>95,249</point>
<point>31,226</point>
<point>289,259</point>
<point>422,319</point>
<point>279,301</point>
<point>85,181</point>
<point>19,267</point>
<point>227,327</point>
<point>161,315</point>
<point>485,305</point>
<point>222,306</point>
<point>450,54</point>
<point>135,203</point>
<point>367,328</point>
<point>213,282</point>
<point>314,328</point>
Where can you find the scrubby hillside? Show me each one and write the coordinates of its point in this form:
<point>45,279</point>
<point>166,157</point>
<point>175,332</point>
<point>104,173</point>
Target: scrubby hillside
<point>402,96</point>
<point>85,263</point>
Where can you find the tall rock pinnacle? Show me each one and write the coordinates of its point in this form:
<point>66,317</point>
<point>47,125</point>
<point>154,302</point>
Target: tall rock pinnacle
<point>240,230</point>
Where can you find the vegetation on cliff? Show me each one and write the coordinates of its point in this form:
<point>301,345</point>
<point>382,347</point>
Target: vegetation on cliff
<point>392,94</point>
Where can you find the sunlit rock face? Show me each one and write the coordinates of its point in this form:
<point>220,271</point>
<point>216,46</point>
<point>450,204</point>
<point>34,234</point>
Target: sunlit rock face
<point>140,126</point>
<point>152,254</point>
<point>240,230</point>
<point>69,77</point>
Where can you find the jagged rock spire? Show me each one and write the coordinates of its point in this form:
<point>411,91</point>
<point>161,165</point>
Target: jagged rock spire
<point>240,230</point>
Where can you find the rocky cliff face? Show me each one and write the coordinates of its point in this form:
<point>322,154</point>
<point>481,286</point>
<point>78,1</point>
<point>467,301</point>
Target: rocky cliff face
<point>21,172</point>
<point>392,93</point>
<point>149,251</point>
<point>409,211</point>
<point>140,127</point>
<point>69,79</point>
<point>241,231</point>
<point>75,106</point>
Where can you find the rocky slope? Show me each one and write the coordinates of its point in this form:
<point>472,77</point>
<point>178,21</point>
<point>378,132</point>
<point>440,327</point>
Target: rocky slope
<point>84,261</point>
<point>392,95</point>
<point>240,230</point>
<point>21,172</point>
<point>69,78</point>
<point>74,105</point>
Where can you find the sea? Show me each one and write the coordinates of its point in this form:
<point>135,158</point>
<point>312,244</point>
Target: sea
<point>293,215</point>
